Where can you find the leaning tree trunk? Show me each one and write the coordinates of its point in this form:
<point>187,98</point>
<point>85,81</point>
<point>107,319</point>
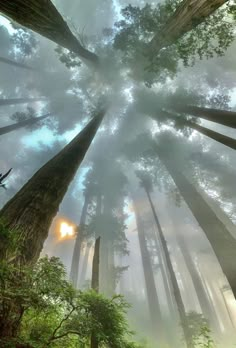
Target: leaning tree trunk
<point>174,282</point>
<point>220,138</point>
<point>15,101</point>
<point>43,18</point>
<point>152,297</point>
<point>74,272</point>
<point>222,242</point>
<point>16,64</point>
<point>95,283</point>
<point>29,122</point>
<point>28,215</point>
<point>188,15</point>
<point>224,117</point>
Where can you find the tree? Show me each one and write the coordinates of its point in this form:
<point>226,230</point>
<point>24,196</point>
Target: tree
<point>95,283</point>
<point>44,19</point>
<point>145,182</point>
<point>224,117</point>
<point>29,122</point>
<point>222,242</point>
<point>74,272</point>
<point>152,297</point>
<point>16,64</point>
<point>29,213</point>
<point>20,101</point>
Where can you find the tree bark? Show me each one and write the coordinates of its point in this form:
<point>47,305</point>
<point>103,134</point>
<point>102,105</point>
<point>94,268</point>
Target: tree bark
<point>31,121</point>
<point>16,64</point>
<point>15,101</point>
<point>95,269</point>
<point>82,277</point>
<point>43,18</point>
<point>224,117</point>
<point>74,272</point>
<point>188,15</point>
<point>222,242</point>
<point>152,298</point>
<point>28,215</point>
<point>176,290</point>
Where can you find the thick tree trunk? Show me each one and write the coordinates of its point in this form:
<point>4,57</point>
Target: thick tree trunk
<point>31,121</point>
<point>29,213</point>
<point>43,18</point>
<point>95,269</point>
<point>176,290</point>
<point>16,64</point>
<point>20,101</point>
<point>74,272</point>
<point>224,117</point>
<point>188,15</point>
<point>222,242</point>
<point>152,298</point>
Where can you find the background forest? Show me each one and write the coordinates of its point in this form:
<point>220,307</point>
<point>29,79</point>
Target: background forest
<point>117,184</point>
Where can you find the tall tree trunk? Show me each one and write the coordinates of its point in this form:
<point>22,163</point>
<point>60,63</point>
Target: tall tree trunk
<point>152,298</point>
<point>16,64</point>
<point>222,242</point>
<point>84,268</point>
<point>28,215</point>
<point>15,101</point>
<point>31,121</point>
<point>43,18</point>
<point>206,306</point>
<point>188,15</point>
<point>95,283</point>
<point>224,117</point>
<point>176,290</point>
<point>220,138</point>
<point>74,271</point>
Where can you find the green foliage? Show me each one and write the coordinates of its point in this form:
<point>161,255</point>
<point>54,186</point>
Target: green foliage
<point>135,31</point>
<point>54,314</point>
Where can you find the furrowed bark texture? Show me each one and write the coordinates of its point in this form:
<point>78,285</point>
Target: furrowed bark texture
<point>42,17</point>
<point>28,215</point>
<point>187,16</point>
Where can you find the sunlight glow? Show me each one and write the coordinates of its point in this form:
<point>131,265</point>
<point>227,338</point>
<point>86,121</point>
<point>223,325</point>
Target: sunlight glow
<point>66,230</point>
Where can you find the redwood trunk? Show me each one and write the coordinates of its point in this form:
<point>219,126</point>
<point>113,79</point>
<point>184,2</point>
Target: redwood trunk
<point>74,272</point>
<point>224,117</point>
<point>31,121</point>
<point>176,291</point>
<point>16,64</point>
<point>15,101</point>
<point>82,277</point>
<point>188,15</point>
<point>95,269</point>
<point>43,18</point>
<point>152,298</point>
<point>222,242</point>
<point>28,215</point>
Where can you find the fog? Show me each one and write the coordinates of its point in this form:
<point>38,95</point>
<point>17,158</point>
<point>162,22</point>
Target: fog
<point>142,166</point>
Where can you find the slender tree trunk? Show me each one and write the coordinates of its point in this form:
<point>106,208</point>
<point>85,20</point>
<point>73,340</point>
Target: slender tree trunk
<point>31,121</point>
<point>153,302</point>
<point>29,213</point>
<point>74,272</point>
<point>20,101</point>
<point>206,306</point>
<point>220,138</point>
<point>84,268</point>
<point>176,290</point>
<point>43,18</point>
<point>16,64</point>
<point>224,117</point>
<point>188,15</point>
<point>95,283</point>
<point>222,242</point>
